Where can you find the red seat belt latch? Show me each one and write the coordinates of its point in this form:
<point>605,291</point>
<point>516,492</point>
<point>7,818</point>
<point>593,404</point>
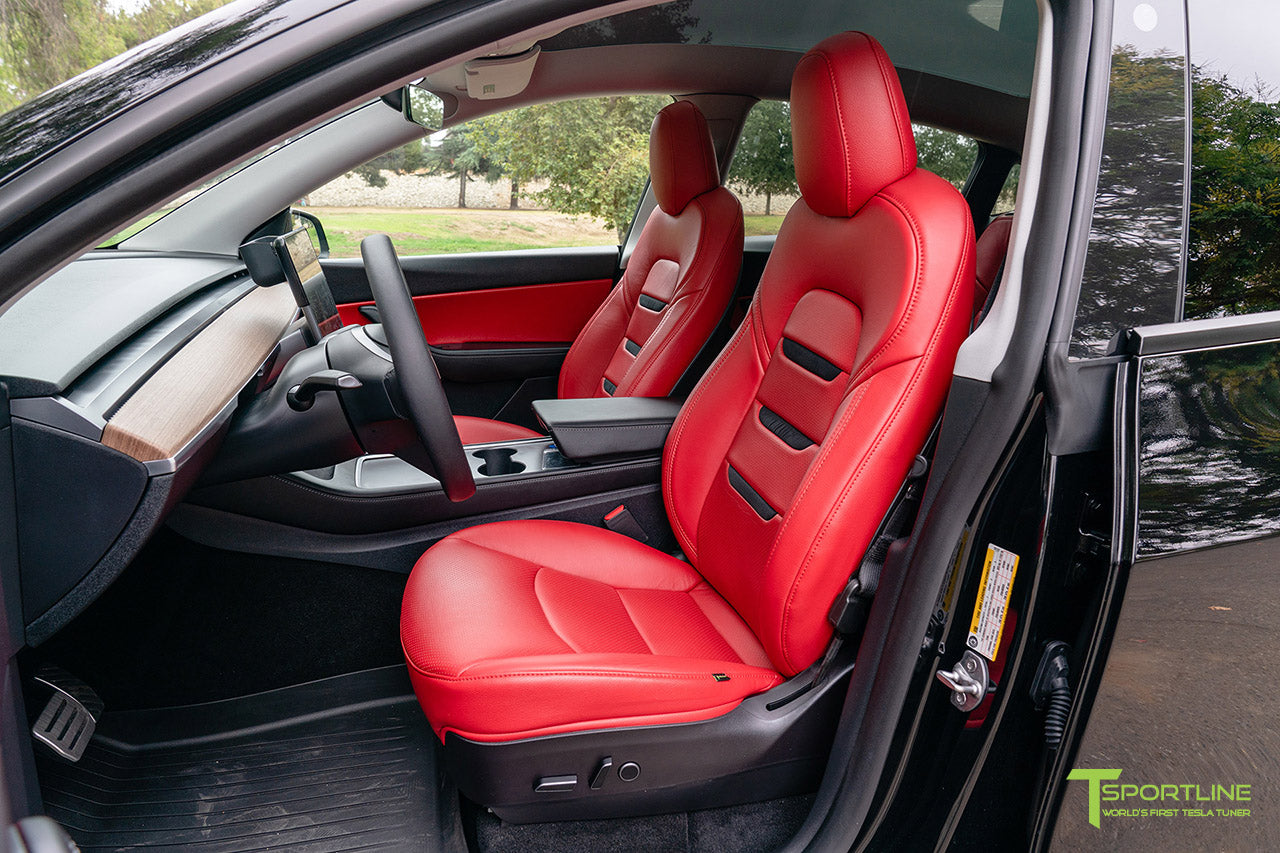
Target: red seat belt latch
<point>620,520</point>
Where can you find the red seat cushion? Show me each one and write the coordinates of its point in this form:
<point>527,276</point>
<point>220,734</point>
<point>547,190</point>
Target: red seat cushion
<point>528,628</point>
<point>483,430</point>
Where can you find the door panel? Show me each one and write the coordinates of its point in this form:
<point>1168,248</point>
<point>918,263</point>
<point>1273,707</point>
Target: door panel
<point>427,274</point>
<point>500,323</point>
<point>500,317</point>
<point>1186,697</point>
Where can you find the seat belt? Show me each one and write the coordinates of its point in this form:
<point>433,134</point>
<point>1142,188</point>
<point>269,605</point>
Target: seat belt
<point>848,614</point>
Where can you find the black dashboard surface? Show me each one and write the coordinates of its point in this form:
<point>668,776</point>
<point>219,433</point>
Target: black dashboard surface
<point>82,312</point>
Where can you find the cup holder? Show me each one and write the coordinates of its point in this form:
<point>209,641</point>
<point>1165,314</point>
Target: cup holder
<point>496,461</point>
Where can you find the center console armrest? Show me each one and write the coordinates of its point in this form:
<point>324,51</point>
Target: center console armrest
<point>599,428</point>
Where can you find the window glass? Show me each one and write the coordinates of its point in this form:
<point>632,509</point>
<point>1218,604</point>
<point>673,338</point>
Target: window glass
<point>563,174</point>
<point>1233,250</point>
<point>1131,272</point>
<point>763,174</point>
<point>948,155</point>
<point>1009,192</point>
<point>763,171</point>
<point>989,43</point>
<point>44,44</point>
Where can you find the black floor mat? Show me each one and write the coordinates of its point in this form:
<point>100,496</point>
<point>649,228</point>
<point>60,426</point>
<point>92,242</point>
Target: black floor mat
<point>342,764</point>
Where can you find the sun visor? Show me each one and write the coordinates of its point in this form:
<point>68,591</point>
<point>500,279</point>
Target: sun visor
<point>494,77</point>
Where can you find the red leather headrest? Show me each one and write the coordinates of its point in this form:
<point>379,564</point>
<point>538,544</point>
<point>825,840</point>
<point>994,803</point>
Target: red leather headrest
<point>682,163</point>
<point>849,123</point>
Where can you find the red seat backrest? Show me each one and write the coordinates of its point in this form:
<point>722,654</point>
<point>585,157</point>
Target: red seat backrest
<point>790,450</point>
<point>679,279</point>
<point>991,249</point>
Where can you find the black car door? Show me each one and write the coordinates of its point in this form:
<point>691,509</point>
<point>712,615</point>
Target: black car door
<point>1178,745</point>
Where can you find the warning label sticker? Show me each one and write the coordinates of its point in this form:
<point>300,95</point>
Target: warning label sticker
<point>993,601</point>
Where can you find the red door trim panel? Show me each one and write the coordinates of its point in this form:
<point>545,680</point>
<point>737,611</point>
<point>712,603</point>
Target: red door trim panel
<point>535,312</point>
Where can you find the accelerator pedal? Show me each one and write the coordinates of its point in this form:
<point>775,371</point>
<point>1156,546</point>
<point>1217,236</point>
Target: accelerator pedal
<point>66,724</point>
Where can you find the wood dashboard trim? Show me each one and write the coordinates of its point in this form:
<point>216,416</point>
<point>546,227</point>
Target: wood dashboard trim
<point>189,389</point>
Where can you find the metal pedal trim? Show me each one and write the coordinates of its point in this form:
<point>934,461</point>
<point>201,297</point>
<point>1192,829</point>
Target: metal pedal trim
<point>67,723</point>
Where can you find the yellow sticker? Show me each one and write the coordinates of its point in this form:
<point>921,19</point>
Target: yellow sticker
<point>993,601</point>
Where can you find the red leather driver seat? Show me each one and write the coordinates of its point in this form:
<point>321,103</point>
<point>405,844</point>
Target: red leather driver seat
<point>677,285</point>
<point>776,474</point>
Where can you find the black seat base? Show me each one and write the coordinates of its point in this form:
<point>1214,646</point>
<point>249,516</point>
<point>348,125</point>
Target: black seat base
<point>753,753</point>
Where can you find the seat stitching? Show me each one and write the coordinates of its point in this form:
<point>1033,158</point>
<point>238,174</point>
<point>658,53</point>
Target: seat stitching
<point>674,442</point>
<point>634,623</point>
<point>543,608</point>
<point>860,384</point>
<point>700,296</point>
<point>761,674</point>
<point>925,359</point>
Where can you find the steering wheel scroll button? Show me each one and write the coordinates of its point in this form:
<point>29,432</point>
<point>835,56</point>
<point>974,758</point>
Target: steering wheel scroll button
<point>303,395</point>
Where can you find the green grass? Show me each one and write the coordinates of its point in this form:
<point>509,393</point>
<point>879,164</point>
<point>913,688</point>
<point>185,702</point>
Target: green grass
<point>434,232</point>
<point>757,226</point>
<point>439,232</point>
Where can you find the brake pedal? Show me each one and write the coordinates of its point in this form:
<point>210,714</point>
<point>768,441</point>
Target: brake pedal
<point>66,724</point>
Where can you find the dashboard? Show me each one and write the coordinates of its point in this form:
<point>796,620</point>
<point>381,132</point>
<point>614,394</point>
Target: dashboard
<point>122,372</point>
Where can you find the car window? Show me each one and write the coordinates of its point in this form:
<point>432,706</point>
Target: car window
<point>568,173</point>
<point>1008,192</point>
<point>44,44</point>
<point>1233,239</point>
<point>762,173</point>
<point>1134,257</point>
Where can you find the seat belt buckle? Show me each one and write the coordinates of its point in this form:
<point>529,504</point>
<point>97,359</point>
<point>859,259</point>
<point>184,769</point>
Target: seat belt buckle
<point>620,520</point>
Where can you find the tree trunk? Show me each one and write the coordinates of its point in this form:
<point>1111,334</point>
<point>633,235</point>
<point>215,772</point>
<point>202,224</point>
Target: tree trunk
<point>462,188</point>
<point>515,194</point>
<point>768,203</point>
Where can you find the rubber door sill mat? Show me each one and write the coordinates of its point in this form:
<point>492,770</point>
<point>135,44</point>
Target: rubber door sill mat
<point>342,764</point>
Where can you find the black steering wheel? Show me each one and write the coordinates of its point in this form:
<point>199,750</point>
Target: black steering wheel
<point>415,370</point>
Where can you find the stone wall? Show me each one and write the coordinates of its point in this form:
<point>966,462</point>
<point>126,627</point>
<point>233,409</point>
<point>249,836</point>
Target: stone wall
<point>437,191</point>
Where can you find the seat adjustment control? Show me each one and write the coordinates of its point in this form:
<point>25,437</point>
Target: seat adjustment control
<point>601,772</point>
<point>629,772</point>
<point>555,784</point>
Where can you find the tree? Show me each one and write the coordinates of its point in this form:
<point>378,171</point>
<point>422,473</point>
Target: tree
<point>460,155</point>
<point>1233,251</point>
<point>406,159</point>
<point>45,42</point>
<point>764,162</point>
<point>593,153</point>
<point>945,153</point>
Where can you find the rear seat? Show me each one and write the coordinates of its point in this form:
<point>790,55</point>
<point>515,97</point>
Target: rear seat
<point>991,249</point>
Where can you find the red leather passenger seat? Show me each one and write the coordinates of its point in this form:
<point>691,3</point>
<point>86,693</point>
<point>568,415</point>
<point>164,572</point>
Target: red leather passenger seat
<point>776,474</point>
<point>676,287</point>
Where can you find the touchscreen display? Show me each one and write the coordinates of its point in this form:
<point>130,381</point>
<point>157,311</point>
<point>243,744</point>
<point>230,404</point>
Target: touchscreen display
<point>303,254</point>
<point>306,278</point>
